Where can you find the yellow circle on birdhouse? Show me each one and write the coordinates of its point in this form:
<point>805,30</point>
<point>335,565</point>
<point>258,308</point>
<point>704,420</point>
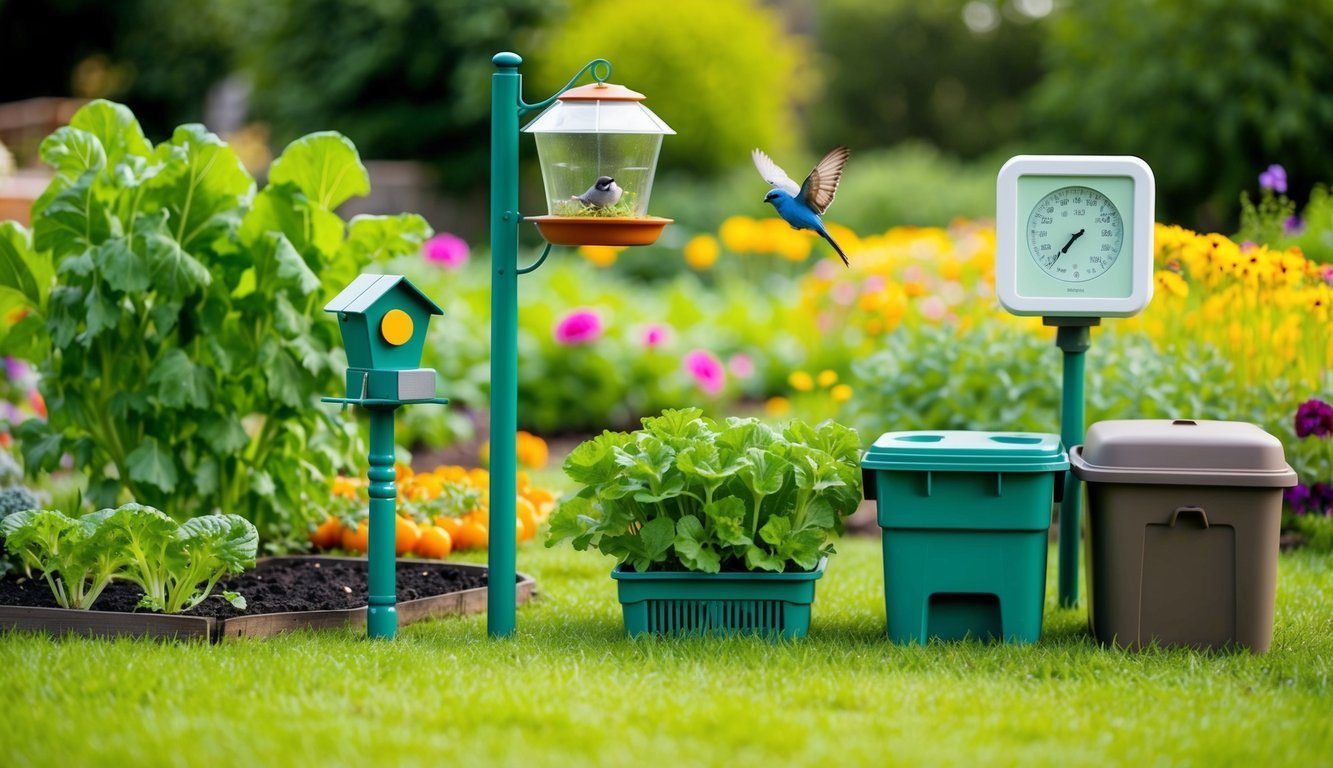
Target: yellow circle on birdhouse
<point>396,327</point>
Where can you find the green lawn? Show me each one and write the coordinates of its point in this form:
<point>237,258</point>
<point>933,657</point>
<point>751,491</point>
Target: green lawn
<point>569,689</point>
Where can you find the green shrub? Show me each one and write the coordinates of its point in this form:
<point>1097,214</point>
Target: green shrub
<point>723,74</point>
<point>404,80</point>
<point>900,70</point>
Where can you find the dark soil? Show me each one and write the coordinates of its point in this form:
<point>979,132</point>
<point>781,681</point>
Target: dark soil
<point>274,587</point>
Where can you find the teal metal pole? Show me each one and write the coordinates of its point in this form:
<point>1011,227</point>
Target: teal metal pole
<point>1073,341</point>
<point>501,587</point>
<point>382,618</point>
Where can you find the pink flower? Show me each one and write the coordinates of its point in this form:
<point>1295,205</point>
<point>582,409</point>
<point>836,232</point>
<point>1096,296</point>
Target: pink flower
<point>844,293</point>
<point>707,371</point>
<point>825,270</point>
<point>581,326</point>
<point>741,366</point>
<point>449,251</point>
<point>656,335</point>
<point>933,308</point>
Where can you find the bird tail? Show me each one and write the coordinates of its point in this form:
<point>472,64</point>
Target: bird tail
<point>823,233</point>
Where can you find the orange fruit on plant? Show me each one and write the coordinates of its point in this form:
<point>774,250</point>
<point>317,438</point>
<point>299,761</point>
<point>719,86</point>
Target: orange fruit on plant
<point>329,534</point>
<point>479,478</point>
<point>473,535</point>
<point>449,523</point>
<point>435,543</point>
<point>521,531</point>
<point>527,516</point>
<point>358,539</point>
<point>405,535</point>
<point>542,499</point>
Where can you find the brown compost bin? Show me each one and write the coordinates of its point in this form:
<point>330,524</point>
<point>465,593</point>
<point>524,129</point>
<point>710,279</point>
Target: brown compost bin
<point>1182,536</point>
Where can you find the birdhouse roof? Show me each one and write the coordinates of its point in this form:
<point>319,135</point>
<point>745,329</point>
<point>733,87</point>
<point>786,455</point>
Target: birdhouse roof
<point>365,290</point>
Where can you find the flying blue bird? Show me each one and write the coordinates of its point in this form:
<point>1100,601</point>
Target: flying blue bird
<point>801,206</point>
<point>604,193</point>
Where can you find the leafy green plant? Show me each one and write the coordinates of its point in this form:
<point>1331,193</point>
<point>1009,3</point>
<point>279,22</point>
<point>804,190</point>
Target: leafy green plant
<point>689,493</point>
<point>170,561</point>
<point>175,315</point>
<point>79,556</point>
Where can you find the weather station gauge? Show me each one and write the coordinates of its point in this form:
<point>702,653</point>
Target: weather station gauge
<point>1073,244</point>
<point>1074,236</point>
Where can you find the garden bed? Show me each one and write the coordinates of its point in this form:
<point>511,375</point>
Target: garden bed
<point>282,593</point>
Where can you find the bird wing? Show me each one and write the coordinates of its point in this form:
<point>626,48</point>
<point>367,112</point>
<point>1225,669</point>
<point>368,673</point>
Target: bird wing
<point>775,176</point>
<point>822,183</point>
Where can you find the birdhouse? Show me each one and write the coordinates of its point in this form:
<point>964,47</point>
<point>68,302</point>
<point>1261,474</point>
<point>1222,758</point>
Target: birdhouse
<point>598,146</point>
<point>383,320</point>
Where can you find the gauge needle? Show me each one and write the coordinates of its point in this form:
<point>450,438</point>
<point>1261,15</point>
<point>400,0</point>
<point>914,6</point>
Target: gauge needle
<point>1065,249</point>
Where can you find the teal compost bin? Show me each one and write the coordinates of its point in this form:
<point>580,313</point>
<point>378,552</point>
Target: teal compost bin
<point>965,517</point>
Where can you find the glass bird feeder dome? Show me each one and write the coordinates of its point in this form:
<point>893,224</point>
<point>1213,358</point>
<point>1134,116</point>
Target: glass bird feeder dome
<point>598,147</point>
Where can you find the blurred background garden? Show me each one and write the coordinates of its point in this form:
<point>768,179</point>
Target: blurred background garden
<point>1229,101</point>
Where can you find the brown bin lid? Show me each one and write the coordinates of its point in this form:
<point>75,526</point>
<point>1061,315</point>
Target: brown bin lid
<point>1181,452</point>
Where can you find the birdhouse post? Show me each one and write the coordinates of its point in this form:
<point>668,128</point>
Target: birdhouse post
<point>592,141</point>
<point>383,320</point>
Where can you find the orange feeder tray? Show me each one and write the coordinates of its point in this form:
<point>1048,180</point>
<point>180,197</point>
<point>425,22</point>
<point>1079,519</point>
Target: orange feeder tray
<point>600,230</point>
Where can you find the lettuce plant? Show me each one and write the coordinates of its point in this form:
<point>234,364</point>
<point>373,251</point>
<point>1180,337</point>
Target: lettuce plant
<point>689,493</point>
<point>78,557</point>
<point>176,564</point>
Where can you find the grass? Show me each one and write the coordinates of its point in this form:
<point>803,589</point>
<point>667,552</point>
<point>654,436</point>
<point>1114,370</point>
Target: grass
<point>570,689</point>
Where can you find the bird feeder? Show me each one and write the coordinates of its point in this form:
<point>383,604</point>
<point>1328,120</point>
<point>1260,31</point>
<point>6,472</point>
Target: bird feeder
<point>596,132</point>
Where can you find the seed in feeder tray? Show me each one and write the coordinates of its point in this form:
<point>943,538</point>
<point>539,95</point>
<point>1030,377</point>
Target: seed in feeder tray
<point>348,590</point>
<point>316,565</point>
<point>604,193</point>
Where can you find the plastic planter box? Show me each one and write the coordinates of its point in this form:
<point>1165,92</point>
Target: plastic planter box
<point>1183,520</point>
<point>686,603</point>
<point>965,517</point>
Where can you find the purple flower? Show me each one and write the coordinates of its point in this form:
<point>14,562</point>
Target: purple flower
<point>16,370</point>
<point>706,370</point>
<point>1321,498</point>
<point>449,251</point>
<point>656,335</point>
<point>581,326</point>
<point>1293,226</point>
<point>1298,497</point>
<point>1314,417</point>
<point>1275,178</point>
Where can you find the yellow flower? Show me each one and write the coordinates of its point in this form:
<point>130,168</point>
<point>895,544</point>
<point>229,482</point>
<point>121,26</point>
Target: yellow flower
<point>841,393</point>
<point>777,406</point>
<point>701,252</point>
<point>1171,284</point>
<point>801,381</point>
<point>828,377</point>
<point>795,246</point>
<point>601,255</point>
<point>738,233</point>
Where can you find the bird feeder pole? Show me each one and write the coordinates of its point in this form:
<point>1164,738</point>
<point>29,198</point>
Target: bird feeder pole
<point>507,107</point>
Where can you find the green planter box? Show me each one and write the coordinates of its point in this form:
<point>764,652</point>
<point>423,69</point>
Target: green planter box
<point>686,603</point>
<point>964,517</point>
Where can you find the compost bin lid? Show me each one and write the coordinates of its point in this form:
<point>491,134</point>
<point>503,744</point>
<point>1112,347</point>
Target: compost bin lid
<point>1181,452</point>
<point>967,451</point>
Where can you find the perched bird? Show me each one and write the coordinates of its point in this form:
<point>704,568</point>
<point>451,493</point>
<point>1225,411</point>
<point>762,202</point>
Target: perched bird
<point>604,193</point>
<point>801,206</point>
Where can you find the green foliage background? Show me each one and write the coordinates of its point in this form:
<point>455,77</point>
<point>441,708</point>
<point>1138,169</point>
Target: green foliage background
<point>1207,92</point>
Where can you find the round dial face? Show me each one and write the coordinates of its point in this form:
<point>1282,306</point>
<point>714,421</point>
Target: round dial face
<point>1075,233</point>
